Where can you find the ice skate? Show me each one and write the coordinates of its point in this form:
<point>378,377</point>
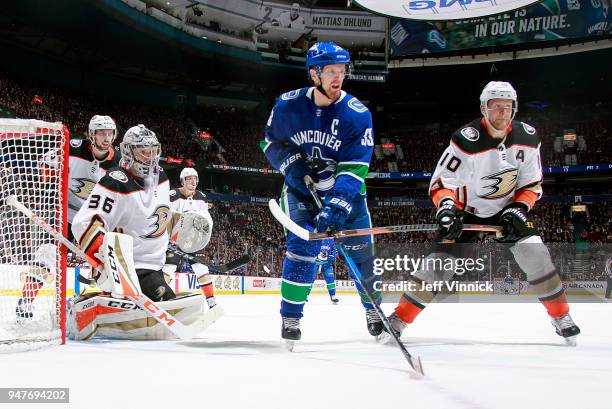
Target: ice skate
<point>334,299</point>
<point>565,327</point>
<point>375,325</point>
<point>398,326</point>
<point>290,332</point>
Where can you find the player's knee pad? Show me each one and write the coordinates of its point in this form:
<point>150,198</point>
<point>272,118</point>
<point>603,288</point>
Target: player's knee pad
<point>104,316</point>
<point>532,256</point>
<point>154,286</point>
<point>299,268</point>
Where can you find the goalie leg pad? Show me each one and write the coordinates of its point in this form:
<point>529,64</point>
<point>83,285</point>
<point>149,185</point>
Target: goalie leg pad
<point>118,318</point>
<point>118,275</point>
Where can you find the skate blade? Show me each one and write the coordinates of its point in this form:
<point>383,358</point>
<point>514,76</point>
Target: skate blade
<point>384,338</point>
<point>570,341</point>
<point>289,345</point>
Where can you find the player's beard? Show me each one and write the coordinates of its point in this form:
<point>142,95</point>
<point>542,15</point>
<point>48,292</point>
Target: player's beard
<point>333,92</point>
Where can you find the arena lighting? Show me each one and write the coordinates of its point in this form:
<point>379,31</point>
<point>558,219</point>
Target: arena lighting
<point>440,9</point>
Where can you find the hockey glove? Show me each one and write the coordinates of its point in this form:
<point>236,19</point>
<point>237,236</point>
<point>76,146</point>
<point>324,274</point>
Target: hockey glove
<point>328,254</point>
<point>513,221</point>
<point>294,167</point>
<point>450,219</point>
<point>334,213</point>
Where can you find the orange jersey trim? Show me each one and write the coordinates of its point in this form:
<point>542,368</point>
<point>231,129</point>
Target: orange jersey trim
<point>529,197</point>
<point>442,193</point>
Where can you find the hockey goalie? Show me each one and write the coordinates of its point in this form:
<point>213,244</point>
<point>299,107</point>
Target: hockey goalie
<point>123,228</point>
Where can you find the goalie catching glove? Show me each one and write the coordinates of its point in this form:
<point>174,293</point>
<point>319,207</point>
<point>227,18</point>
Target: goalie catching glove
<point>193,230</point>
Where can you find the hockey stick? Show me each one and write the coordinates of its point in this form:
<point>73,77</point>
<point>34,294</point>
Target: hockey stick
<point>145,303</point>
<point>415,362</point>
<point>218,269</point>
<point>304,234</point>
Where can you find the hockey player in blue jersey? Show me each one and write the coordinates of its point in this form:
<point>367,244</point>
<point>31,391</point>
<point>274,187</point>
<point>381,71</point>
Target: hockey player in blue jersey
<point>325,260</point>
<point>323,132</point>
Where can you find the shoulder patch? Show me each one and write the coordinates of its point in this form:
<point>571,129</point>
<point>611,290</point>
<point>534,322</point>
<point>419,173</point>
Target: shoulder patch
<point>528,128</point>
<point>118,175</point>
<point>173,192</point>
<point>470,133</point>
<point>356,105</point>
<point>75,143</point>
<point>291,95</point>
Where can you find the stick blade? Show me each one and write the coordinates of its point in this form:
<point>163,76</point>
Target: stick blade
<point>415,362</point>
<point>286,221</point>
<point>232,265</point>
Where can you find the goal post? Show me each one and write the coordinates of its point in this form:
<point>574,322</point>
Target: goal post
<point>34,167</point>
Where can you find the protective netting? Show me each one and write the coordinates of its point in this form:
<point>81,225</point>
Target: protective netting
<point>33,161</point>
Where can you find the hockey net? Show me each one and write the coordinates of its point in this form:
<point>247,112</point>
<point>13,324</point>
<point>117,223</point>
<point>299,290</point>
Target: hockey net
<point>34,168</point>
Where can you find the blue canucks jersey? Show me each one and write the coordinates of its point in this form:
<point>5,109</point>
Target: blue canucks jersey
<point>338,140</point>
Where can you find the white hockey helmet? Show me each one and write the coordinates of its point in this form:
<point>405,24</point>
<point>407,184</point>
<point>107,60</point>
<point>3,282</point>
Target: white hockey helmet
<point>100,122</point>
<point>499,90</point>
<point>136,138</point>
<point>188,172</point>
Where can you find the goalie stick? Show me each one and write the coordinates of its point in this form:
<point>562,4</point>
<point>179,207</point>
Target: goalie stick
<point>145,303</point>
<point>217,269</point>
<point>415,362</point>
<point>304,234</point>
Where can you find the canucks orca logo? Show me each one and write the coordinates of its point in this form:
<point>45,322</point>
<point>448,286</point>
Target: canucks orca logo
<point>319,163</point>
<point>83,188</point>
<point>501,184</point>
<point>161,218</point>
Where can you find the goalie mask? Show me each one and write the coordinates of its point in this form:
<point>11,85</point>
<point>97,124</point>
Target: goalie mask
<point>140,151</point>
<point>193,230</point>
<point>100,123</point>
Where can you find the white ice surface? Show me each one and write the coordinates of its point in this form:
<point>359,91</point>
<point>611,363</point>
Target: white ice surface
<point>476,356</point>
